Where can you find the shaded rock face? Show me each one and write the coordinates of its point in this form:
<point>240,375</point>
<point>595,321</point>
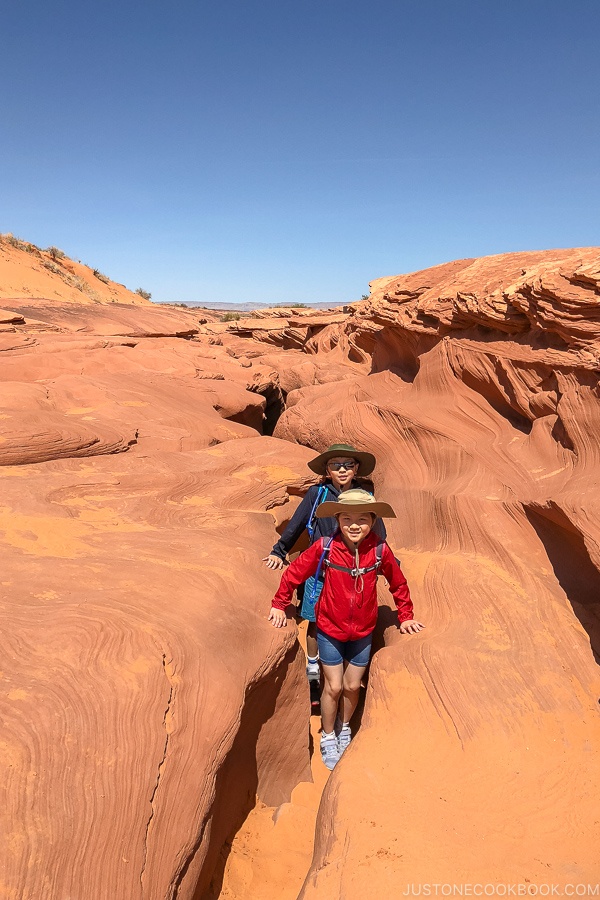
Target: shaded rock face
<point>147,702</point>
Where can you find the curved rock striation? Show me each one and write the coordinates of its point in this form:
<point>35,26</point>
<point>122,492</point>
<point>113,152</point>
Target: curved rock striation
<point>147,703</point>
<point>480,737</point>
<point>145,694</point>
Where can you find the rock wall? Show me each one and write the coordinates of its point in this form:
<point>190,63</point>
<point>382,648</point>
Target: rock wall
<point>147,702</point>
<point>477,760</point>
<point>144,694</point>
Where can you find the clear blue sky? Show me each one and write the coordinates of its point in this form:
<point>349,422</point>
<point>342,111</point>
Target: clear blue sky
<point>276,151</point>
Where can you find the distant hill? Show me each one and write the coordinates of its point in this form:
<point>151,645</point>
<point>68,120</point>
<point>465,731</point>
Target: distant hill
<point>29,272</point>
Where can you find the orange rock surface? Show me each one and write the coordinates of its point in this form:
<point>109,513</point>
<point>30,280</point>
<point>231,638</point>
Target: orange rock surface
<point>478,755</point>
<point>155,727</point>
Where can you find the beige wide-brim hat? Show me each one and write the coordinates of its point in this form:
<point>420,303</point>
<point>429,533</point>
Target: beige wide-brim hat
<point>319,463</point>
<point>355,500</point>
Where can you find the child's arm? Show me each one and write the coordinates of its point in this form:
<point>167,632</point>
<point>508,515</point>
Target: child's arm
<point>294,575</point>
<point>296,526</point>
<point>399,591</point>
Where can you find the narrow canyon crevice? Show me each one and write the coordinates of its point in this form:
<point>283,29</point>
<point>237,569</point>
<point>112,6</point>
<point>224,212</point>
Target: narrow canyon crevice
<point>570,560</point>
<point>249,771</point>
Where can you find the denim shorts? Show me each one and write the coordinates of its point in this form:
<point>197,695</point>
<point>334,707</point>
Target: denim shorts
<point>333,652</point>
<point>307,610</point>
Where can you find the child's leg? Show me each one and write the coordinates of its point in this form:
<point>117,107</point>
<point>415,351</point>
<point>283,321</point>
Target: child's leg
<point>357,655</point>
<point>351,691</point>
<point>310,594</point>
<point>333,677</point>
<point>330,695</point>
<point>312,649</point>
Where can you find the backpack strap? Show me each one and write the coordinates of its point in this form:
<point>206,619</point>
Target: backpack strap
<point>325,546</point>
<point>310,525</point>
<point>364,569</point>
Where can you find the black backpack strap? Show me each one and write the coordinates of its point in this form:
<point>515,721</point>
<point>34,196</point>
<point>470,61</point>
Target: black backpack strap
<point>363,570</point>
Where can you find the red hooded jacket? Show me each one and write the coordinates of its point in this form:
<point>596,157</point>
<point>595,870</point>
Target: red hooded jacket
<point>347,607</point>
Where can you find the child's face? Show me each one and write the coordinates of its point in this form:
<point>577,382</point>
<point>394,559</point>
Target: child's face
<point>355,526</point>
<point>341,478</point>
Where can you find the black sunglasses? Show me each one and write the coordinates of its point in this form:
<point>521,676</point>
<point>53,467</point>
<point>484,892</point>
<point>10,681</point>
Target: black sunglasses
<point>336,466</point>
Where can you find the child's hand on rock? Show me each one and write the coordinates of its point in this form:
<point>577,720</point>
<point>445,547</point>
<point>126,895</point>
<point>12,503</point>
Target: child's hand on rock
<point>277,618</point>
<point>273,562</point>
<point>410,627</point>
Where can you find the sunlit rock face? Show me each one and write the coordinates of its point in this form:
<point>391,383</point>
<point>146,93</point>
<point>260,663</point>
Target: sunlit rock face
<point>147,702</point>
<point>145,695</point>
<point>477,759</point>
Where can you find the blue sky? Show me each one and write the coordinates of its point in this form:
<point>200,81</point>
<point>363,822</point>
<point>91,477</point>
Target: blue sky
<point>264,150</point>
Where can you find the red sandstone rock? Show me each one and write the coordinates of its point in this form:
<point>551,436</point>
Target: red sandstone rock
<point>147,700</point>
<point>134,744</point>
<point>480,736</point>
<point>144,692</point>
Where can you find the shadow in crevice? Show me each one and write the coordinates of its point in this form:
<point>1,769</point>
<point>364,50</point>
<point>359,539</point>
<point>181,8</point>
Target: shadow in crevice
<point>575,572</point>
<point>236,784</point>
<point>276,400</point>
<point>497,399</point>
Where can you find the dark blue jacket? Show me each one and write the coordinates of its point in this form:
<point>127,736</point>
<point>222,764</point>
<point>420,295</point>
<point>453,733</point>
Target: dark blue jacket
<point>323,527</point>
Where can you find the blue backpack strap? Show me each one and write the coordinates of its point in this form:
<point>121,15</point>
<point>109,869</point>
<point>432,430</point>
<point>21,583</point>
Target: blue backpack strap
<point>325,544</point>
<point>310,525</point>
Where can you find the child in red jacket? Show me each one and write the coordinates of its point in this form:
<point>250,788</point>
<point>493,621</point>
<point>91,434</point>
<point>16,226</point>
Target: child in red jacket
<point>346,611</point>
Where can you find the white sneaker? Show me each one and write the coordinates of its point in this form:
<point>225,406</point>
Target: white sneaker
<point>344,737</point>
<point>330,752</point>
<point>313,671</point>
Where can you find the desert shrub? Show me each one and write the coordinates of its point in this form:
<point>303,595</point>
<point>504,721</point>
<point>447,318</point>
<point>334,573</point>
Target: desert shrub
<point>145,294</point>
<point>291,306</point>
<point>55,253</point>
<point>100,276</point>
<point>13,241</point>
<point>364,296</point>
<point>51,267</point>
<point>231,317</point>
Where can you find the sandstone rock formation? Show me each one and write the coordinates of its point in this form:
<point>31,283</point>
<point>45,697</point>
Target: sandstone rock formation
<point>147,702</point>
<point>137,499</point>
<point>477,759</point>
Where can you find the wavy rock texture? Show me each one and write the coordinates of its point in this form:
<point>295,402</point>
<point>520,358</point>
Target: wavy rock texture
<point>147,703</point>
<point>477,760</point>
<point>144,694</point>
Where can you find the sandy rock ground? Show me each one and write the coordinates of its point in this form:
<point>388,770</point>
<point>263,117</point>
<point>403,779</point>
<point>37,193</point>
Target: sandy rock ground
<point>155,727</point>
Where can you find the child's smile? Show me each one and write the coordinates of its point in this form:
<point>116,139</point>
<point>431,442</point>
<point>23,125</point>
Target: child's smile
<point>355,526</point>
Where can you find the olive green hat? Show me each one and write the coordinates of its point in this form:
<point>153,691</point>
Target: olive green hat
<point>319,463</point>
<point>355,500</point>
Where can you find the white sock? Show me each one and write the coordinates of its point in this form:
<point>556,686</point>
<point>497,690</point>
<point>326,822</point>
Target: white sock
<point>313,660</point>
<point>325,735</point>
